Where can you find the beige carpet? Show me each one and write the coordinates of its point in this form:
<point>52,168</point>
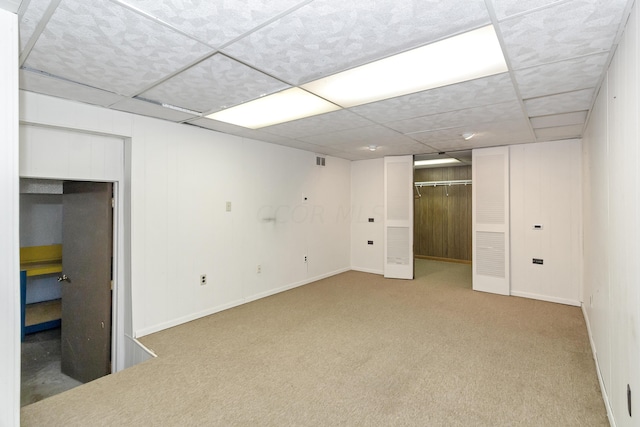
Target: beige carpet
<point>356,350</point>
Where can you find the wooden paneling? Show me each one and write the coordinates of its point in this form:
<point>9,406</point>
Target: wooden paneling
<point>443,215</point>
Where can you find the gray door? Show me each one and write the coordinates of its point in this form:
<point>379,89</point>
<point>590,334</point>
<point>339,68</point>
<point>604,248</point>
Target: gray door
<point>87,230</point>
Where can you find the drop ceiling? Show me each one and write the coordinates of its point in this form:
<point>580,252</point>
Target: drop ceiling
<point>182,60</point>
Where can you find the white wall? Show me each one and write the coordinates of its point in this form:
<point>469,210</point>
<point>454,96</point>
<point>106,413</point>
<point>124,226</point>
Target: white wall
<point>545,189</point>
<point>611,232</point>
<point>9,220</point>
<point>181,179</point>
<point>367,201</point>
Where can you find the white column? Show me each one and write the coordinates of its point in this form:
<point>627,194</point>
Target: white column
<point>9,221</point>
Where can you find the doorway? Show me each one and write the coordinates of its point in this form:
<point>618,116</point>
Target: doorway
<point>442,208</point>
<point>77,217</point>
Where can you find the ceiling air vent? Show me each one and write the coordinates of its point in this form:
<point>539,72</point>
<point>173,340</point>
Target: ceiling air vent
<point>320,161</point>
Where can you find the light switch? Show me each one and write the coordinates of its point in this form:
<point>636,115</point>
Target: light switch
<point>228,206</point>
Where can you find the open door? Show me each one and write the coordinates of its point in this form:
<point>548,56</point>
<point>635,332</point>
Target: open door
<point>87,248</point>
<point>490,202</point>
<point>398,217</point>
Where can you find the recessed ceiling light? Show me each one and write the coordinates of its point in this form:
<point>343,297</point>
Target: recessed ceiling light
<point>468,135</point>
<point>435,162</point>
<point>290,104</point>
<point>373,147</point>
<point>457,59</point>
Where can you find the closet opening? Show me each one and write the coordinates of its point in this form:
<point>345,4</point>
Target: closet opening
<point>66,271</point>
<point>442,207</point>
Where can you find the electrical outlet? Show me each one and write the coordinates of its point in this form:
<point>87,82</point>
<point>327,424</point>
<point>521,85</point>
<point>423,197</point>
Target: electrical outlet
<point>259,269</point>
<point>228,206</point>
<point>203,279</point>
<point>305,258</point>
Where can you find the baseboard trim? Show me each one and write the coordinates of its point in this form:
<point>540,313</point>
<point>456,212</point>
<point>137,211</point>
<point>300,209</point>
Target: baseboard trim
<point>294,285</point>
<point>546,298</point>
<point>368,270</point>
<point>194,316</point>
<point>594,353</point>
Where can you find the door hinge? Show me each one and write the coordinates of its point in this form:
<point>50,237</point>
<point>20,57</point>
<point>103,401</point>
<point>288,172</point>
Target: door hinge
<point>113,203</point>
<point>112,285</point>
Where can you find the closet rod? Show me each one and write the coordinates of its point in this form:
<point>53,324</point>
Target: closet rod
<point>437,183</point>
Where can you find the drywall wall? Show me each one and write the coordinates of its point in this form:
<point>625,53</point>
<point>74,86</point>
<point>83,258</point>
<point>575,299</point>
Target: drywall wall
<point>367,201</point>
<point>9,220</point>
<point>546,220</point>
<point>220,205</point>
<point>611,233</point>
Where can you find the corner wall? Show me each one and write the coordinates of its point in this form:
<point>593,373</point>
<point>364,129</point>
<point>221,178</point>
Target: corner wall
<point>9,224</point>
<point>611,233</point>
<point>546,191</point>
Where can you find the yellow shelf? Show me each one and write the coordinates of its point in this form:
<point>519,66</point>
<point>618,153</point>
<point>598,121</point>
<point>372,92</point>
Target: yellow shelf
<point>39,260</point>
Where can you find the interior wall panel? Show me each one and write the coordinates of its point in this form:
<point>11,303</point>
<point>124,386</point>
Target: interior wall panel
<point>9,224</point>
<point>611,208</point>
<point>546,218</point>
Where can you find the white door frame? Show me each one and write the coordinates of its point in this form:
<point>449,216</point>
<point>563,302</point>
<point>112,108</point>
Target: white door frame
<point>120,241</point>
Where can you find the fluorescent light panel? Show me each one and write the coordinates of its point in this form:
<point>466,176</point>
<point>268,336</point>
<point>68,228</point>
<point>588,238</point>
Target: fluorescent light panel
<point>468,56</point>
<point>435,162</point>
<point>290,104</point>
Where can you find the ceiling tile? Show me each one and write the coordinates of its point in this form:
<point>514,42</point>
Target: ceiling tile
<point>561,132</point>
<point>560,77</point>
<point>302,145</point>
<point>401,149</point>
<point>107,46</point>
<point>324,37</point>
<point>376,135</point>
<point>215,22</point>
<point>318,125</point>
<point>214,84</point>
<point>10,5</point>
<point>40,83</point>
<point>497,139</point>
<point>560,103</point>
<point>468,117</point>
<point>568,30</point>
<point>30,20</point>
<point>494,133</point>
<point>240,131</point>
<point>218,126</point>
<point>474,93</point>
<point>506,8</point>
<point>567,119</point>
<point>144,108</point>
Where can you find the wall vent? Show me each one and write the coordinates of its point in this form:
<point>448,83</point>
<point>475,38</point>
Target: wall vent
<point>320,161</point>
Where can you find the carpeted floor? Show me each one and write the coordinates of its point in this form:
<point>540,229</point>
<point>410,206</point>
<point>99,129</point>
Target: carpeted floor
<point>356,349</point>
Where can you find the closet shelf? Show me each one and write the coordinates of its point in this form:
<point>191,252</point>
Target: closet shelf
<point>39,261</point>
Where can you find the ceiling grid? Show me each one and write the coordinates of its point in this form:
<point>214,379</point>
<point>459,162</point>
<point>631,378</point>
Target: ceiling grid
<point>181,61</point>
